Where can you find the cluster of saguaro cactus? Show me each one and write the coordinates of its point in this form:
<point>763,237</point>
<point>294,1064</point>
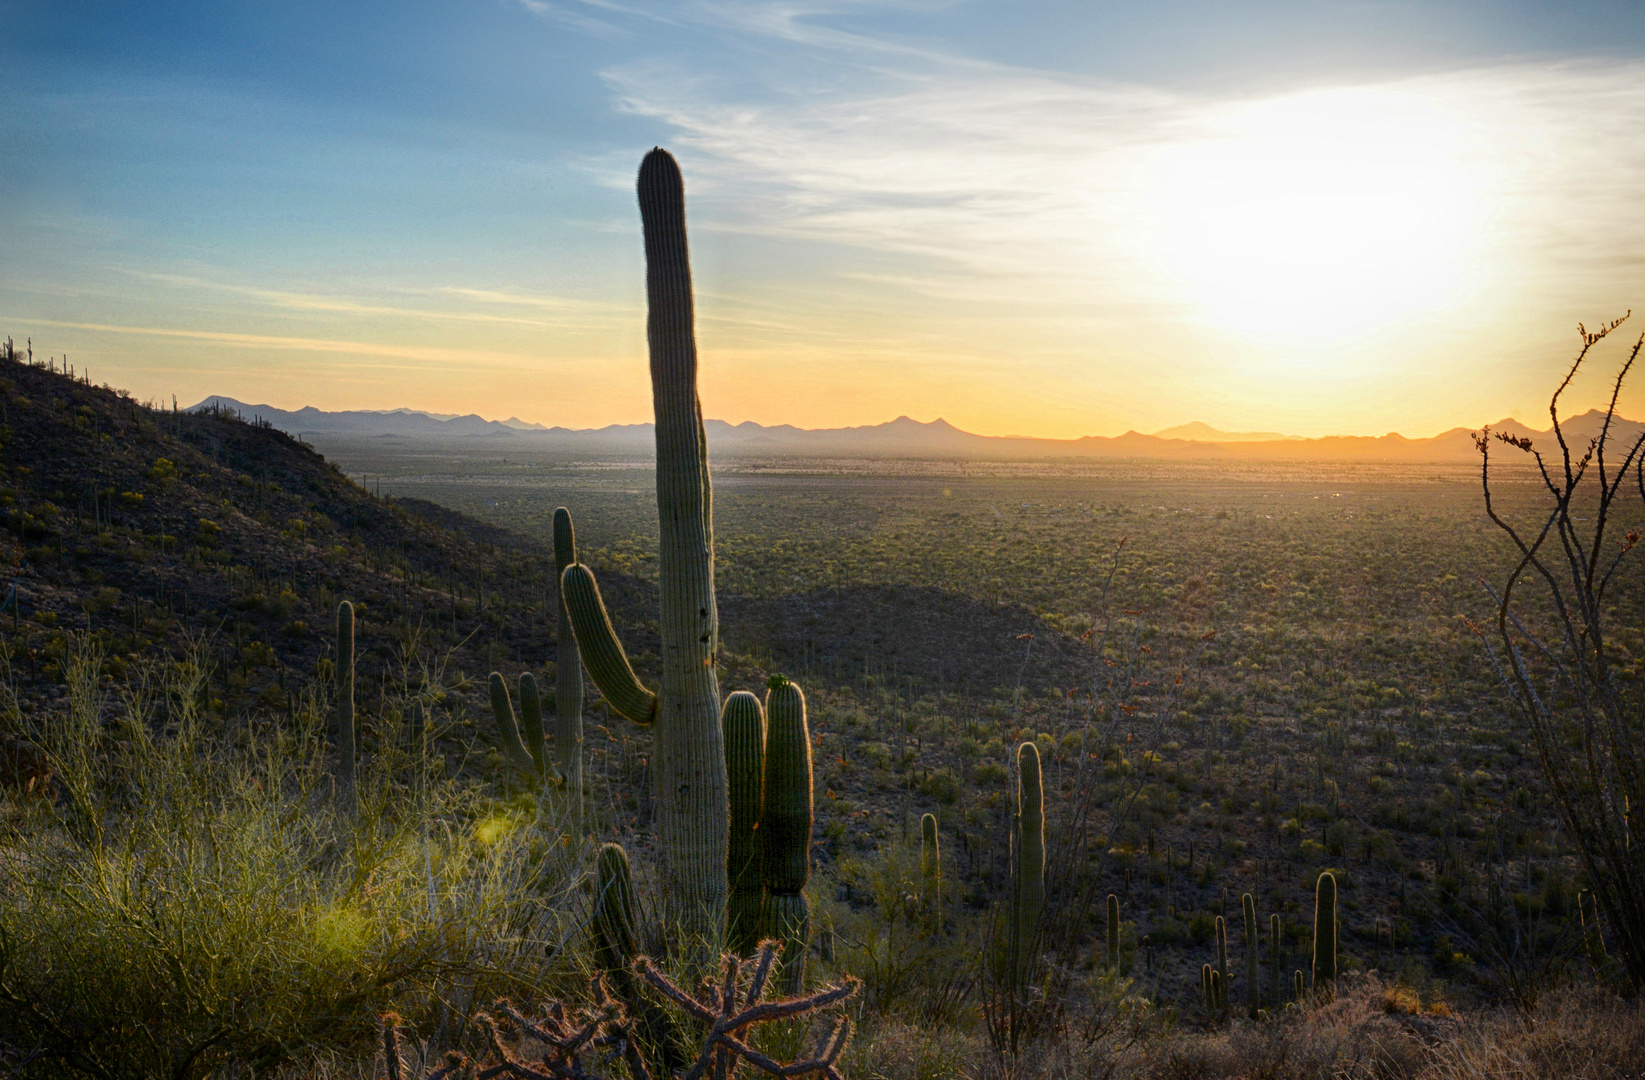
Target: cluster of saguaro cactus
<point>689,770</point>
<point>1028,881</point>
<point>769,781</point>
<point>1325,935</point>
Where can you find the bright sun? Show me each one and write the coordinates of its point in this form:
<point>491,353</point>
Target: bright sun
<point>1316,216</point>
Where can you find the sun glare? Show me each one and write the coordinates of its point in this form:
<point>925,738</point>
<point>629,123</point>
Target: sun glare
<point>1315,216</point>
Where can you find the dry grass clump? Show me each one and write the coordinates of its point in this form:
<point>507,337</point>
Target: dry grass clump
<point>194,901</point>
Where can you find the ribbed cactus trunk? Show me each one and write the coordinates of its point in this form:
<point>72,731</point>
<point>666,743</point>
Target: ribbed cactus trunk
<point>568,677</point>
<point>1253,984</point>
<point>347,793</point>
<point>785,826</point>
<point>1028,885</point>
<point>1325,936</point>
<point>743,724</point>
<point>689,761</point>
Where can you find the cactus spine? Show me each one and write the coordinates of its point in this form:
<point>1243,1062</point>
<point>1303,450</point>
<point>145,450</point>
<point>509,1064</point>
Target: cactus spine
<point>1253,986</point>
<point>1028,888</point>
<point>689,762</point>
<point>508,730</point>
<point>931,871</point>
<point>349,795</point>
<point>785,826</point>
<point>568,677</point>
<point>1325,935</point>
<point>1113,933</point>
<point>743,724</point>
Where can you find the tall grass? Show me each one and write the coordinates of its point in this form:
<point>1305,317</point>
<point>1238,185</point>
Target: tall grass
<point>192,902</point>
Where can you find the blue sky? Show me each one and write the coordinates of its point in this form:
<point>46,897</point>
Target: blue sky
<point>1051,219</point>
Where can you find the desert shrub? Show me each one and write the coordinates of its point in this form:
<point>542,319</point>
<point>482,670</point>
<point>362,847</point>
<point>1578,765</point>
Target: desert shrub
<point>192,900</point>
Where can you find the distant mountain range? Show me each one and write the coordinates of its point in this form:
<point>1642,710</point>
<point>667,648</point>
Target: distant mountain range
<point>905,438</point>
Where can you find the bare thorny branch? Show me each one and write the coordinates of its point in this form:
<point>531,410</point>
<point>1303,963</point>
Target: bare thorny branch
<point>1587,725</point>
<point>729,1011</point>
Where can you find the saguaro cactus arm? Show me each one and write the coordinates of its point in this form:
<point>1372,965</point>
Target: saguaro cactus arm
<point>531,722</point>
<point>508,731</point>
<point>785,825</point>
<point>743,723</point>
<point>600,650</point>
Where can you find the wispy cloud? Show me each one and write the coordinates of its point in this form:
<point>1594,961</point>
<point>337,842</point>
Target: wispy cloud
<point>1046,189</point>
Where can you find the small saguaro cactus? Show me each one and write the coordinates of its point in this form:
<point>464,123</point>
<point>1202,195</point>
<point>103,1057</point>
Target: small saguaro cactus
<point>1325,935</point>
<point>1253,985</point>
<point>508,729</point>
<point>615,940</point>
<point>1207,989</point>
<point>931,870</point>
<point>785,826</point>
<point>1222,963</point>
<point>568,677</point>
<point>1276,957</point>
<point>1298,991</point>
<point>689,780</point>
<point>1028,886</point>
<point>743,723</point>
<point>1113,933</point>
<point>348,794</point>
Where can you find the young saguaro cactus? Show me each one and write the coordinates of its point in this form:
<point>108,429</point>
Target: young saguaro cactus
<point>1325,935</point>
<point>348,794</point>
<point>743,724</point>
<point>689,759</point>
<point>785,826</point>
<point>1028,887</point>
<point>1222,964</point>
<point>568,677</point>
<point>1253,987</point>
<point>931,870</point>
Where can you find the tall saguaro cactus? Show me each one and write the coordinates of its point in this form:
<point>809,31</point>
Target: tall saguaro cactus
<point>348,794</point>
<point>1325,935</point>
<point>1028,887</point>
<point>743,724</point>
<point>785,826</point>
<point>689,759</point>
<point>568,677</point>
